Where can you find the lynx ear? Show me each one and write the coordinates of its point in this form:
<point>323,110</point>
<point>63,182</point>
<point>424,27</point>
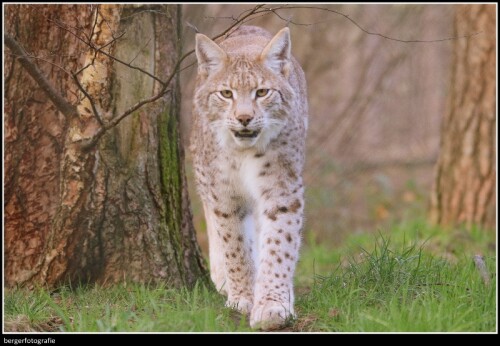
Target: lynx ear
<point>210,56</point>
<point>276,55</point>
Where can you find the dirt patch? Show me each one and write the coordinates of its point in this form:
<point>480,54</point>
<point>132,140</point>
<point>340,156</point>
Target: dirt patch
<point>22,324</point>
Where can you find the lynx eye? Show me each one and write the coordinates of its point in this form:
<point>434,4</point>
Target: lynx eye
<point>261,92</point>
<point>226,93</point>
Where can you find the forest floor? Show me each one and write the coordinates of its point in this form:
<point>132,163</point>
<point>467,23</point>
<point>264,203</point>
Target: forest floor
<point>411,277</point>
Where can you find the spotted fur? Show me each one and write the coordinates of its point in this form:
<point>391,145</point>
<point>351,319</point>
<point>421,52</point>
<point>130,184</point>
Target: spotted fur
<point>249,155</point>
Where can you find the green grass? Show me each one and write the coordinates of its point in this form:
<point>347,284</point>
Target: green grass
<point>415,278</point>
<point>124,308</point>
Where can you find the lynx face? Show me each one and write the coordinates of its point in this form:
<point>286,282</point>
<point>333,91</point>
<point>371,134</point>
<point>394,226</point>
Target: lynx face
<point>245,100</point>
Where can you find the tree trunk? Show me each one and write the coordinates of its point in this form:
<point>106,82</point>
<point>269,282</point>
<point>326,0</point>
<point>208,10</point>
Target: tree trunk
<point>464,188</point>
<point>119,211</point>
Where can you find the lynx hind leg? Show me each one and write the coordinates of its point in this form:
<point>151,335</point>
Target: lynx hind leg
<point>217,269</point>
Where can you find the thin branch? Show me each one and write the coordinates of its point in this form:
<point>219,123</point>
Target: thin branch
<point>30,56</point>
<point>222,17</point>
<point>273,10</point>
<point>68,30</point>
<point>187,66</point>
<point>263,11</point>
<point>115,121</point>
<point>109,27</point>
<point>240,21</point>
<point>90,41</point>
<point>59,101</point>
<point>96,51</point>
<point>118,119</point>
<point>95,23</point>
<point>191,26</point>
<point>128,65</point>
<point>100,50</point>
<point>140,50</point>
<point>92,103</point>
<point>83,68</point>
<point>253,18</point>
<point>289,19</point>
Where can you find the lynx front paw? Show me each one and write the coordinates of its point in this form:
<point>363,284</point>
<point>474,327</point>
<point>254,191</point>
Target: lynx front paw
<point>242,304</point>
<point>269,316</point>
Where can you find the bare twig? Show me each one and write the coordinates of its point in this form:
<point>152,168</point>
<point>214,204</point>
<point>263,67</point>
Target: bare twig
<point>289,19</point>
<point>116,120</point>
<point>90,143</point>
<point>59,101</point>
<point>222,17</point>
<point>140,50</point>
<point>32,57</point>
<point>92,103</point>
<point>97,51</point>
<point>261,10</point>
<point>189,25</point>
<point>95,23</point>
<point>100,50</point>
<point>187,66</point>
<point>481,266</point>
<point>240,21</point>
<point>367,31</point>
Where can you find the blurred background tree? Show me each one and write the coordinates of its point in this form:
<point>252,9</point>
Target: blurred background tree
<point>465,184</point>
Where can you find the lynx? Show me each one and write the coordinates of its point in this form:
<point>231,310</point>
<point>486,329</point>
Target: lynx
<point>248,141</point>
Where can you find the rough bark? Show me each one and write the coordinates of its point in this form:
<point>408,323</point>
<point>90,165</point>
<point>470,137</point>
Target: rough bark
<point>117,212</point>
<point>464,188</point>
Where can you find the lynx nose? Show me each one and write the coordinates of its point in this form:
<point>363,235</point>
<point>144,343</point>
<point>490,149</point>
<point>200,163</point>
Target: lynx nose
<point>244,119</point>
